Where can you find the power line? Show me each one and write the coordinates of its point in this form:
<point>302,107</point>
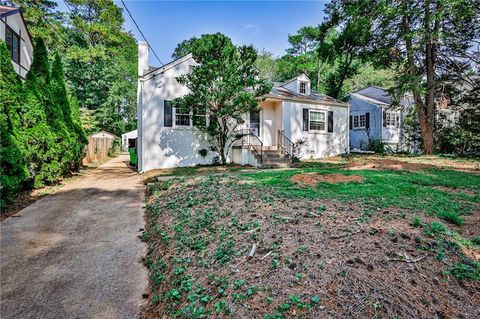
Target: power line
<point>138,28</point>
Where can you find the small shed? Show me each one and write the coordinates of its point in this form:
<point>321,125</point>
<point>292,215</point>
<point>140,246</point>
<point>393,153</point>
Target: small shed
<point>129,140</point>
<point>99,144</point>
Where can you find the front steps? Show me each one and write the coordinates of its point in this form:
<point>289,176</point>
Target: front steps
<point>273,158</point>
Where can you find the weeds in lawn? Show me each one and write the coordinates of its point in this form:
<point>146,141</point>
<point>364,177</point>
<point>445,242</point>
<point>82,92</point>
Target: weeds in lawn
<point>317,247</point>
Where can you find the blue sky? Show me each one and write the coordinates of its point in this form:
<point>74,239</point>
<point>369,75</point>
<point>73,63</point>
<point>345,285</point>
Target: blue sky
<point>265,24</point>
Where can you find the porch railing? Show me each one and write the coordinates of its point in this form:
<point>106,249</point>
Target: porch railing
<point>248,139</point>
<point>285,145</point>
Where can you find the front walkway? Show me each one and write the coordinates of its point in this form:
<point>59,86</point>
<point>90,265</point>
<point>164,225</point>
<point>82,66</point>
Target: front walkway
<point>75,253</point>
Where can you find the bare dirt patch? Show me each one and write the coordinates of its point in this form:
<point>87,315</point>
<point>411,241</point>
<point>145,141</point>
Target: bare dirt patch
<point>312,179</point>
<point>359,263</point>
<point>455,190</point>
<point>384,164</point>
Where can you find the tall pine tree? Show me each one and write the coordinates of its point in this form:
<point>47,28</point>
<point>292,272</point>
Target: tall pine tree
<point>76,136</point>
<point>12,165</point>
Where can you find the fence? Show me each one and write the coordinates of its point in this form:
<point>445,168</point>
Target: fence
<point>97,148</point>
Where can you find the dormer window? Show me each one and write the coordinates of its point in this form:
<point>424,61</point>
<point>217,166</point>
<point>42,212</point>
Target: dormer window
<point>303,87</point>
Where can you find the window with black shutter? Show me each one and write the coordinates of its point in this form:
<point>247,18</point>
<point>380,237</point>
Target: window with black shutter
<point>167,114</point>
<point>330,121</point>
<point>305,119</point>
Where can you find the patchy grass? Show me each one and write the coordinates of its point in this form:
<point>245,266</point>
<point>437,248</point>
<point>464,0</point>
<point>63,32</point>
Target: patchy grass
<point>153,175</point>
<point>390,244</point>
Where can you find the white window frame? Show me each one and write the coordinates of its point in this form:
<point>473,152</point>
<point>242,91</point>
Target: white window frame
<point>191,116</point>
<point>300,87</point>
<point>390,119</point>
<point>357,121</point>
<point>183,114</point>
<point>310,120</point>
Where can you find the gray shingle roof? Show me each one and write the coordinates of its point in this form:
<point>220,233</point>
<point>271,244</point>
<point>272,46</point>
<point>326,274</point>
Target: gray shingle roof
<point>376,93</point>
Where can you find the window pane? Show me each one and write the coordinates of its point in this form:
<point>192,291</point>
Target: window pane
<point>355,121</point>
<point>315,125</point>
<point>362,120</point>
<point>199,118</point>
<point>182,116</point>
<point>317,116</point>
<point>303,87</point>
<point>15,48</point>
<point>9,41</point>
<point>317,121</point>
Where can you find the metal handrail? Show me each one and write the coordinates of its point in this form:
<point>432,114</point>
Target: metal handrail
<point>285,144</point>
<point>246,134</point>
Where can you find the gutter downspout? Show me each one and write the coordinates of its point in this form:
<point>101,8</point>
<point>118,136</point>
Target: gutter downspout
<point>348,129</point>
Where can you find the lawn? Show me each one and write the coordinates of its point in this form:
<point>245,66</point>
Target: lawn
<point>326,239</point>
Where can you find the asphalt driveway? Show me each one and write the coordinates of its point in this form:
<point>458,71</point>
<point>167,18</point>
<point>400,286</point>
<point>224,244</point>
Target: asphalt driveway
<point>75,253</point>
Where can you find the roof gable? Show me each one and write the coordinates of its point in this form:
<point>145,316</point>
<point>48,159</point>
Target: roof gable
<point>300,77</point>
<point>170,65</point>
<point>376,93</point>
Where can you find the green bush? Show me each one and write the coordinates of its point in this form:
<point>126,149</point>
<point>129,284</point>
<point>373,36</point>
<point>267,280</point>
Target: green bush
<point>41,133</point>
<point>13,169</point>
<point>458,140</point>
<point>376,146</point>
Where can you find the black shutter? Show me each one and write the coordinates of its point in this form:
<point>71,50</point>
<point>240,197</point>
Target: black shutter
<point>305,119</point>
<point>367,120</point>
<point>384,118</point>
<point>167,114</point>
<point>397,117</point>
<point>351,122</point>
<point>330,121</point>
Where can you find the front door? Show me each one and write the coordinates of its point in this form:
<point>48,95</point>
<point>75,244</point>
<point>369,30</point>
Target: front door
<point>255,123</point>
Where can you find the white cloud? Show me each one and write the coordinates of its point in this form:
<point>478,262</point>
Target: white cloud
<point>253,27</point>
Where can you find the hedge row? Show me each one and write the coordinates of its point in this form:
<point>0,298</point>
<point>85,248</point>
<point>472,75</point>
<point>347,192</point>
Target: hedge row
<point>41,133</point>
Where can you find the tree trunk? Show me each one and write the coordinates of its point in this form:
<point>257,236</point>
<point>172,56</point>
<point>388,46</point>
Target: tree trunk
<point>425,110</point>
<point>428,125</point>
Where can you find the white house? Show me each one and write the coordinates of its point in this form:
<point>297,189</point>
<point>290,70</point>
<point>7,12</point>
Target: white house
<point>372,117</point>
<point>14,32</point>
<point>168,137</point>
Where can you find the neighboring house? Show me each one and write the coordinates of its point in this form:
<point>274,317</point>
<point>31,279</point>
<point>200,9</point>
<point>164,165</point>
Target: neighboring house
<point>372,117</point>
<point>14,32</point>
<point>169,137</point>
<point>129,140</point>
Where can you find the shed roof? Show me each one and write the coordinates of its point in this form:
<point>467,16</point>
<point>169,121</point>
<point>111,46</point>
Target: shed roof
<point>103,134</point>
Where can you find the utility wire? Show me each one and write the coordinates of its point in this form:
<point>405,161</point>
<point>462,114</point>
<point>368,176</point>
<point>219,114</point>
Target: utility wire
<point>138,28</point>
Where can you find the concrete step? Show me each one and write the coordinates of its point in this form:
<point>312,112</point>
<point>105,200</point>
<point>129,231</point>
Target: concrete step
<point>277,160</point>
<point>274,165</point>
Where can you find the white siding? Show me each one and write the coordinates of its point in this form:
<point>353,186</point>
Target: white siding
<point>166,147</point>
<point>15,22</point>
<point>320,144</point>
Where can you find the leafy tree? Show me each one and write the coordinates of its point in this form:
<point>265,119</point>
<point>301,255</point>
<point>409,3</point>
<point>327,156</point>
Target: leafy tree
<point>13,169</point>
<point>45,151</point>
<point>49,87</point>
<point>224,86</point>
<point>101,64</point>
<point>369,75</point>
<point>74,134</point>
<point>42,19</point>
<point>267,66</point>
<point>302,56</point>
<point>428,39</point>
